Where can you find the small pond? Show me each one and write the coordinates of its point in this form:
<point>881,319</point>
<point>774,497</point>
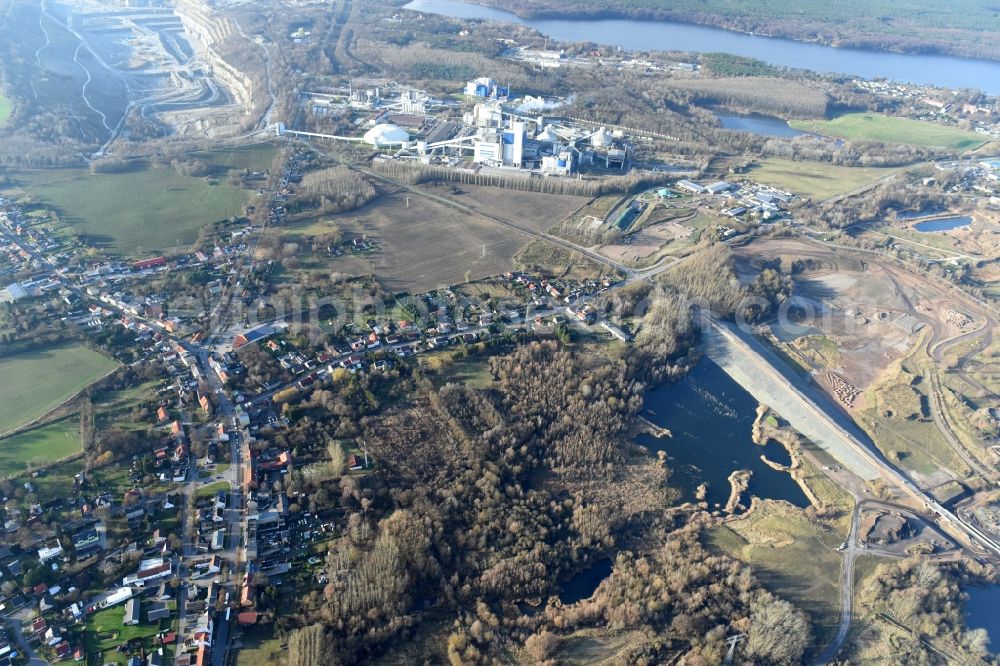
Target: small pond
<point>756,123</point>
<point>789,331</point>
<point>943,224</point>
<point>582,585</point>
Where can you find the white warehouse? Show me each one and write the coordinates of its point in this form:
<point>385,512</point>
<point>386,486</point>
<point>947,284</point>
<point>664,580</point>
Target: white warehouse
<point>384,135</point>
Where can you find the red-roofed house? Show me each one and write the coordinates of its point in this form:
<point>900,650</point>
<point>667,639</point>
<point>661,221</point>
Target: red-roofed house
<point>148,574</point>
<point>247,595</point>
<point>155,262</point>
<point>279,461</point>
<point>247,618</point>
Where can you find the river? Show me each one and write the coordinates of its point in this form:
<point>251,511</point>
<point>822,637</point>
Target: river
<point>938,70</point>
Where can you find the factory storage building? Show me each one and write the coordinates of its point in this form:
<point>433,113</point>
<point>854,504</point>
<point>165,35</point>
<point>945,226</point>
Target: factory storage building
<point>384,135</point>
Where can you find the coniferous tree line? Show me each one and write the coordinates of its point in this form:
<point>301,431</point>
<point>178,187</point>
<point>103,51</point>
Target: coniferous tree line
<point>415,174</point>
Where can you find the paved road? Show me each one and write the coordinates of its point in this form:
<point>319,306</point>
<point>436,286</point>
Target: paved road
<point>846,589</point>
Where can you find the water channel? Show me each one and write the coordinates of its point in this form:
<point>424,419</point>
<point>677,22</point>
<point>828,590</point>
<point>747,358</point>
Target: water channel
<point>938,70</point>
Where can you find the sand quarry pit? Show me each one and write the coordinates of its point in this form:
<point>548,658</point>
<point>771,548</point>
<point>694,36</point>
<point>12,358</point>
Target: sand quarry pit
<point>851,317</point>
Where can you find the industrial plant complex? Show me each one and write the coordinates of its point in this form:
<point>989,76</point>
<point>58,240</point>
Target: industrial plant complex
<point>481,128</point>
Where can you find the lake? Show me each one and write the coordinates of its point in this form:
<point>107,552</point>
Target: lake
<point>938,70</point>
<point>711,417</point>
<point>943,224</point>
<point>759,124</point>
<point>981,612</point>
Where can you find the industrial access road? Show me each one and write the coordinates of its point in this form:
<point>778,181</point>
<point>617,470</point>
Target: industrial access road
<point>805,408</point>
<point>846,590</point>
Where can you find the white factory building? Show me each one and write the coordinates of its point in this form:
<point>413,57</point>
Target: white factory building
<point>486,87</point>
<point>502,138</point>
<point>501,147</point>
<point>385,135</point>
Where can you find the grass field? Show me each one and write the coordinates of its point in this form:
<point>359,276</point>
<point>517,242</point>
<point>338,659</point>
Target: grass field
<point>838,503</point>
<point>922,242</point>
<point>699,223</point>
<point>114,406</point>
<point>889,129</point>
<point>472,371</point>
<point>212,488</point>
<point>793,558</point>
<point>5,108</point>
<point>34,382</point>
<point>39,446</point>
<point>896,420</point>
<point>105,631</point>
<point>814,180</point>
<point>257,157</point>
<point>423,244</point>
<point>546,259</point>
<point>145,211</point>
<point>260,648</point>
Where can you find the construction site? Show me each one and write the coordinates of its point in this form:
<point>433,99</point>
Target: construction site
<point>908,359</point>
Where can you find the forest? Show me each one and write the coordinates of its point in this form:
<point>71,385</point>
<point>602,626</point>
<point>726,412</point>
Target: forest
<point>335,190</point>
<point>485,499</point>
<point>928,598</point>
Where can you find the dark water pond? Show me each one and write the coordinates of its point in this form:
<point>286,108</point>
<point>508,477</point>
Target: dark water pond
<point>582,585</point>
<point>982,611</point>
<point>711,418</point>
